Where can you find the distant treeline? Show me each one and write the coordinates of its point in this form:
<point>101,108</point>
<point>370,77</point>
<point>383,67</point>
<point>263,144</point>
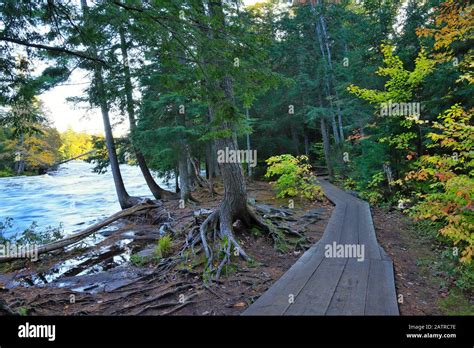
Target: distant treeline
<point>39,150</point>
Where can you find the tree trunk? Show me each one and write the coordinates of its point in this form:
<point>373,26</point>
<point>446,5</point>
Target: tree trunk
<point>20,165</point>
<point>306,142</point>
<point>193,180</point>
<point>176,180</point>
<point>234,205</point>
<point>124,199</point>
<point>185,191</point>
<point>326,146</point>
<point>155,189</point>
<point>335,132</point>
<point>321,32</point>
<point>294,138</point>
<point>249,168</point>
<point>339,118</point>
<point>210,165</point>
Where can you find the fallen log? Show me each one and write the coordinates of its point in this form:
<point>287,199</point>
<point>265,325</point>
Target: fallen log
<point>74,238</point>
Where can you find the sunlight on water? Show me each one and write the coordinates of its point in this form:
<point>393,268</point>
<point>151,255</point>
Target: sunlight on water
<point>72,195</point>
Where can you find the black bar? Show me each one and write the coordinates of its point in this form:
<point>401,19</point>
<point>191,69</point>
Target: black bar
<point>134,331</point>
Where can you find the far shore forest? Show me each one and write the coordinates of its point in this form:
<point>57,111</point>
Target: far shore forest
<point>377,96</point>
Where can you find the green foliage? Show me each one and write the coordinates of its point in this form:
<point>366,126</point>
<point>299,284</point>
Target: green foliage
<point>164,247</point>
<point>35,235</point>
<point>401,84</point>
<point>137,260</point>
<point>23,311</point>
<point>456,304</point>
<point>41,150</point>
<point>452,204</point>
<point>256,232</point>
<point>295,178</point>
<point>24,116</point>
<point>449,195</point>
<point>6,224</point>
<point>32,235</point>
<point>457,277</point>
<point>6,172</point>
<point>186,57</point>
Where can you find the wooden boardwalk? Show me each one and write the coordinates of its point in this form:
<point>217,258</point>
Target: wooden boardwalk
<point>318,284</point>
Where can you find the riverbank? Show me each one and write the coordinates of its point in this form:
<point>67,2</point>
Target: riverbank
<point>119,273</point>
<point>9,173</point>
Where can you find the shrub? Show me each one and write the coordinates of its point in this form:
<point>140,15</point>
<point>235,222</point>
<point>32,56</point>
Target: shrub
<point>449,198</point>
<point>164,247</point>
<point>453,206</point>
<point>295,178</point>
<point>137,260</point>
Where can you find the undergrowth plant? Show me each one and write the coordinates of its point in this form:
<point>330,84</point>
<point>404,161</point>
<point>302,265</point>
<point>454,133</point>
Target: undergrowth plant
<point>295,177</point>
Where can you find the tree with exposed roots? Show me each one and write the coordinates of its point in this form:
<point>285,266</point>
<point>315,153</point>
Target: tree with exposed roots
<point>225,119</point>
<point>217,61</point>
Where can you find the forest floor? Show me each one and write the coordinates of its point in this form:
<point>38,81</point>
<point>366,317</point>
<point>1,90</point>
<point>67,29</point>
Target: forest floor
<point>101,278</point>
<point>426,288</point>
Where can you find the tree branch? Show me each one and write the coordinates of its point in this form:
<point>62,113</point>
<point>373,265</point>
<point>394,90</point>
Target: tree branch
<point>51,48</point>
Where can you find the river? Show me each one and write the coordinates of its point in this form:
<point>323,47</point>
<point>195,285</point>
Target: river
<point>73,196</point>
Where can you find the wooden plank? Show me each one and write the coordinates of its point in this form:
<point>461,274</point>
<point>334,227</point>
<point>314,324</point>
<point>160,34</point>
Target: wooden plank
<point>350,229</point>
<point>383,254</point>
<point>335,224</point>
<point>332,193</point>
<point>367,232</point>
<point>275,300</point>
<point>381,296</point>
<point>349,297</point>
<point>316,295</point>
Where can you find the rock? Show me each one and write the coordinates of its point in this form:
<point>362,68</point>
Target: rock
<point>146,253</point>
<point>202,211</point>
<point>268,209</point>
<point>314,214</point>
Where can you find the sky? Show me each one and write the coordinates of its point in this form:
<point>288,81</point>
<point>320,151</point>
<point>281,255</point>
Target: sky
<point>81,118</point>
<point>66,114</point>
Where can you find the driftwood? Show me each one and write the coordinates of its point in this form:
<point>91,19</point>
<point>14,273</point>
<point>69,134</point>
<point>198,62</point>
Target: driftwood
<point>74,238</point>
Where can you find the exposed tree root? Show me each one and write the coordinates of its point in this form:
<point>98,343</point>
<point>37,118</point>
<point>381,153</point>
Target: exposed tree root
<point>202,182</point>
<point>216,236</point>
<point>177,308</point>
<point>168,292</point>
<point>5,309</point>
